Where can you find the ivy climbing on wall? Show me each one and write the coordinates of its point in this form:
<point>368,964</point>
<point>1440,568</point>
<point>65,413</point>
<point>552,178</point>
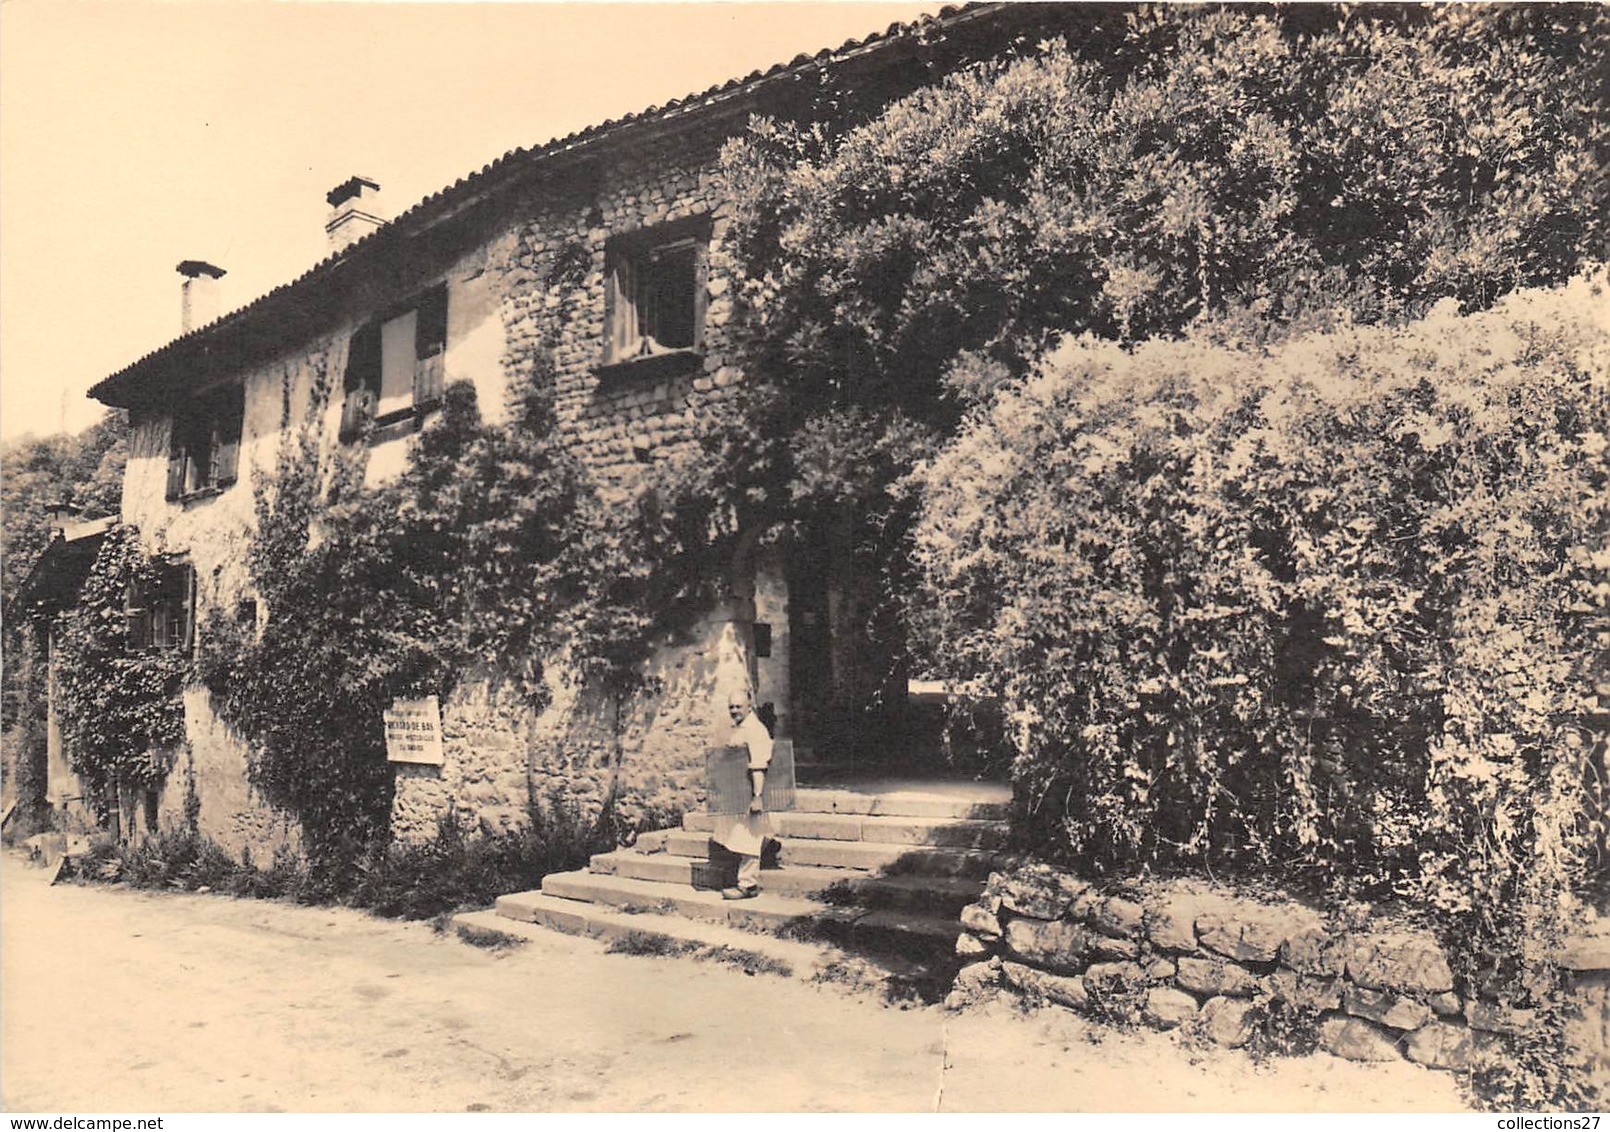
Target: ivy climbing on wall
<point>120,703</point>
<point>489,553</point>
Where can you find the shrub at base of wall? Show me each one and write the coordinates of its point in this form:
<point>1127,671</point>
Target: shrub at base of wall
<point>1276,978</point>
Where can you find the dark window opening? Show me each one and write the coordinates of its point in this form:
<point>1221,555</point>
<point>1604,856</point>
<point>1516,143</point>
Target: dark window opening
<point>204,452</point>
<point>656,297</point>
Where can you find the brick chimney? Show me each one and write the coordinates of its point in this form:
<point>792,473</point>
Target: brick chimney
<point>354,211</point>
<point>198,294</point>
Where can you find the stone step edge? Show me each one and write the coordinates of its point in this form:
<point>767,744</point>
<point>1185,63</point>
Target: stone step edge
<point>765,913</point>
<point>898,848</point>
<point>902,803</point>
<point>824,875</point>
<point>699,820</point>
<point>811,960</point>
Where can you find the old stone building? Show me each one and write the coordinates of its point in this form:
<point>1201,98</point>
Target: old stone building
<point>599,253</point>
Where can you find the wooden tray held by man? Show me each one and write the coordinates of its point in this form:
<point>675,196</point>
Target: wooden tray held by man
<point>726,777</point>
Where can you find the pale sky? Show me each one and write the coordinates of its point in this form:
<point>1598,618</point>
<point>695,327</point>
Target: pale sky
<point>135,134</point>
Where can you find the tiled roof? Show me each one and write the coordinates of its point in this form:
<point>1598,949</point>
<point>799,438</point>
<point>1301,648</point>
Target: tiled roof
<point>110,388</point>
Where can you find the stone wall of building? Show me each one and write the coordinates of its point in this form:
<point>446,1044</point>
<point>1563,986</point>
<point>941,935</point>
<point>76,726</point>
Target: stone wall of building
<point>544,276</point>
<point>1189,956</point>
<point>647,754</point>
<point>529,293</point>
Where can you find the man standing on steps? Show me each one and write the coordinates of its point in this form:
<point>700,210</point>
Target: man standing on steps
<point>745,834</point>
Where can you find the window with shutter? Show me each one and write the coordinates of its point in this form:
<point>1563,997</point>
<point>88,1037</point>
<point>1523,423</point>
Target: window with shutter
<point>395,366</point>
<point>655,297</point>
<point>159,613</point>
<point>204,451</point>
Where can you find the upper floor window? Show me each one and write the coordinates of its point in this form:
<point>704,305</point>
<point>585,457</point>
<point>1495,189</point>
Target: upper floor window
<point>656,292</point>
<point>395,365</point>
<point>204,451</point>
<point>159,612</point>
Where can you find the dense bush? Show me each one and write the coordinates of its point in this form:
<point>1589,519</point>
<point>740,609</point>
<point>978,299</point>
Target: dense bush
<point>1328,607</point>
<point>24,743</point>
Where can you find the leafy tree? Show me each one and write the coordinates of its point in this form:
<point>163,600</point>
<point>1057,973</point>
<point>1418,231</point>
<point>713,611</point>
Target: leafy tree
<point>1241,173</point>
<point>1264,169</point>
<point>85,470</point>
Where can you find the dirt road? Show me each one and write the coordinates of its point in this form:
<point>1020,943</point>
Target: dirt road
<point>151,1002</point>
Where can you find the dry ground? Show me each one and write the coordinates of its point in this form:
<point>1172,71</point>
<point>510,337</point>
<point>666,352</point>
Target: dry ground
<point>129,1001</point>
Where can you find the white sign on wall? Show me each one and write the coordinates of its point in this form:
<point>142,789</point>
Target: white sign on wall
<point>414,732</point>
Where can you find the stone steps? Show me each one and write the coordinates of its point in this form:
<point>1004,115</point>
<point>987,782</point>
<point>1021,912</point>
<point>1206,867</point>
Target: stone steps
<point>897,803</point>
<point>949,833</point>
<point>859,855</point>
<point>812,960</point>
<point>939,895</point>
<point>881,873</point>
<point>569,902</point>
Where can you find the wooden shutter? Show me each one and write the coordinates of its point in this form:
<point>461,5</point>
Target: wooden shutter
<point>230,413</point>
<point>187,607</point>
<point>701,290</point>
<point>176,457</point>
<point>362,382</point>
<point>136,617</point>
<point>430,346</point>
<point>620,313</point>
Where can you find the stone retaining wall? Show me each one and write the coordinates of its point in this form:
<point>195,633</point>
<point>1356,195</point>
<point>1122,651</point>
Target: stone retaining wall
<point>1188,955</point>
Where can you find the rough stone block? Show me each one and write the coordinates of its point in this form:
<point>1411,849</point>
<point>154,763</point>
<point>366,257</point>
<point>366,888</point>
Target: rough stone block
<point>1109,977</point>
<point>1587,1027</point>
<point>1356,1040</point>
<point>981,922</point>
<point>969,946</point>
<point>1039,891</point>
<point>1065,990</point>
<point>1401,961</point>
<point>974,982</point>
<point>1440,1045</point>
<point>1448,1004</point>
<point>1105,947</point>
<point>1386,1008</point>
<point>1248,934</point>
<point>1311,992</point>
<point>1171,924</point>
<point>1161,970</point>
<point>1120,918</point>
<point>1166,1008</point>
<point>1057,946</point>
<point>1224,1020</point>
<point>1084,905</point>
<point>1314,951</point>
<point>1498,1019</point>
<point>1215,977</point>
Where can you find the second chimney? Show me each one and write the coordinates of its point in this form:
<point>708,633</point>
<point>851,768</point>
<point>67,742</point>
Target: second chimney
<point>354,211</point>
<point>198,294</point>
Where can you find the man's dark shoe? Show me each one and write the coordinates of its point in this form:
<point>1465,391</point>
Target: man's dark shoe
<point>739,893</point>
